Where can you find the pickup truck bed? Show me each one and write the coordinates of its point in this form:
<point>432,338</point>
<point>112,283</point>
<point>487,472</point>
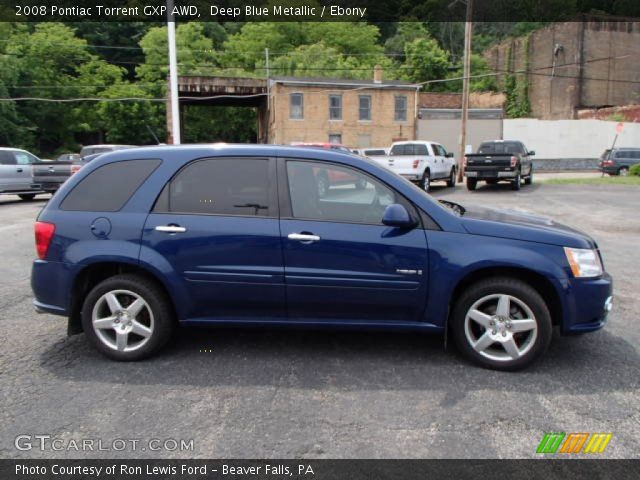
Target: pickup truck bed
<point>50,175</point>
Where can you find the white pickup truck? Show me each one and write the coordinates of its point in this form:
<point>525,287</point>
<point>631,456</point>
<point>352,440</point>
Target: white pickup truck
<point>422,162</point>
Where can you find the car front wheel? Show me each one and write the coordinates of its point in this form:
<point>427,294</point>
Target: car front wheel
<point>502,324</point>
<point>451,182</point>
<point>127,317</point>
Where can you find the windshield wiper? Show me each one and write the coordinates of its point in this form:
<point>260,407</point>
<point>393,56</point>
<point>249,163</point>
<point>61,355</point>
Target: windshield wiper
<point>456,207</point>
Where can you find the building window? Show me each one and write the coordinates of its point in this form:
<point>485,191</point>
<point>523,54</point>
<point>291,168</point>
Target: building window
<point>335,138</point>
<point>296,106</point>
<point>335,107</point>
<point>365,107</point>
<point>401,108</point>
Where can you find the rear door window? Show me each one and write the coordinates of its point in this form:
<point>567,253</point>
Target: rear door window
<point>7,158</point>
<point>220,186</point>
<point>109,187</point>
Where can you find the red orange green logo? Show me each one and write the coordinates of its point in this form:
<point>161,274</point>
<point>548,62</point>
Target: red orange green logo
<point>574,442</point>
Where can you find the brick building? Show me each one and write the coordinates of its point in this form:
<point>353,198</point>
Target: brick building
<point>573,65</point>
<point>355,113</point>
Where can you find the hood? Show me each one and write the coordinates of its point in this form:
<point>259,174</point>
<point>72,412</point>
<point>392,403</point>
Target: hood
<point>520,225</point>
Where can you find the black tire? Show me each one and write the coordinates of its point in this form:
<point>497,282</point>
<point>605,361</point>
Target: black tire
<point>161,311</point>
<point>472,183</point>
<point>623,171</point>
<point>425,181</point>
<point>529,179</point>
<point>451,182</point>
<point>532,343</point>
<point>517,182</point>
<point>27,197</point>
<point>323,184</point>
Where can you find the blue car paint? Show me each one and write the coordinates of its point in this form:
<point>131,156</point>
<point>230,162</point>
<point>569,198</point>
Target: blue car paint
<point>242,270</point>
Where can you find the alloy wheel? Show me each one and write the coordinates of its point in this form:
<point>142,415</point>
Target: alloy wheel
<point>500,327</point>
<point>122,320</point>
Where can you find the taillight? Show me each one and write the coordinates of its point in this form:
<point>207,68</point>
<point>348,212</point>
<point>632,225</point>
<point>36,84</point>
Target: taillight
<point>607,163</point>
<point>416,163</point>
<point>464,162</point>
<point>514,161</point>
<point>44,235</point>
<point>75,168</point>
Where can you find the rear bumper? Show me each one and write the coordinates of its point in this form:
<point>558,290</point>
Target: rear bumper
<point>588,303</point>
<point>414,177</point>
<point>52,284</point>
<point>611,170</point>
<point>490,174</point>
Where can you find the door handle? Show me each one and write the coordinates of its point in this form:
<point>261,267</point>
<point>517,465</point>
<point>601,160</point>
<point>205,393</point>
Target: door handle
<point>170,229</point>
<point>303,237</point>
<point>19,170</point>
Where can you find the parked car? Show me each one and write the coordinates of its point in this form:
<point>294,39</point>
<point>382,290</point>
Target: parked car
<point>619,160</point>
<point>15,173</point>
<point>144,240</point>
<point>327,179</point>
<point>102,148</point>
<point>51,176</point>
<point>499,160</point>
<point>422,162</point>
<point>68,157</point>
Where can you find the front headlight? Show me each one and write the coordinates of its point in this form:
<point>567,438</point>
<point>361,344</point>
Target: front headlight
<point>583,262</point>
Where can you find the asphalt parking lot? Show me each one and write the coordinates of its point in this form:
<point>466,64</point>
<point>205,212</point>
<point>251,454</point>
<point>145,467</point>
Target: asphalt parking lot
<point>316,394</point>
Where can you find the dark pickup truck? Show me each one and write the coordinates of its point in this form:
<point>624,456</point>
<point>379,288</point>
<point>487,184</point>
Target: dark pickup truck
<point>48,176</point>
<point>499,160</point>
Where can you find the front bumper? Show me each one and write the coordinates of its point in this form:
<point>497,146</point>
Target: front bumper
<point>588,303</point>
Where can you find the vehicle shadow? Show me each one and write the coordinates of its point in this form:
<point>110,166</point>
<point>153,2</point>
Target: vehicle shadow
<point>351,361</point>
<point>13,200</point>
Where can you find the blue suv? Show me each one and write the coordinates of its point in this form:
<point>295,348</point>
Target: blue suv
<point>141,241</point>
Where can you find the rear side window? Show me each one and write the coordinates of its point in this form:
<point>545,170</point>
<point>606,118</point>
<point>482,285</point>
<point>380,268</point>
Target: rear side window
<point>109,188</point>
<point>410,149</point>
<point>7,158</point>
<point>219,187</point>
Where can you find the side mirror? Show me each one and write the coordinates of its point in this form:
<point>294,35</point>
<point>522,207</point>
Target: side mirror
<point>449,155</point>
<point>532,153</point>
<point>395,215</point>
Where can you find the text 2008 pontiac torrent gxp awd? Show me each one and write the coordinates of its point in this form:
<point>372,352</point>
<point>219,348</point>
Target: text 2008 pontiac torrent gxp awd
<point>143,240</point>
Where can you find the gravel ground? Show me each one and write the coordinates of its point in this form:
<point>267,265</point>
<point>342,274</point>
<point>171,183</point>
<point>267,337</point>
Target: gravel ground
<point>287,394</point>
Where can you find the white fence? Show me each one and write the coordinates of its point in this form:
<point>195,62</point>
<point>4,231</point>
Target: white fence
<point>569,138</point>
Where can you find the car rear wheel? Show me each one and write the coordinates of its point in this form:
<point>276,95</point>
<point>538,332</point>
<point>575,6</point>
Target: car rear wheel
<point>425,182</point>
<point>451,182</point>
<point>623,171</point>
<point>502,324</point>
<point>27,196</point>
<point>127,317</point>
<point>472,183</point>
<point>529,179</point>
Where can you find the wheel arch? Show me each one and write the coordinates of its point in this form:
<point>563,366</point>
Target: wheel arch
<point>536,280</point>
<point>95,273</point>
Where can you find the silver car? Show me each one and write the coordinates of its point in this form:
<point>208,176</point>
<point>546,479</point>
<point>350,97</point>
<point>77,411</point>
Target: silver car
<point>15,173</point>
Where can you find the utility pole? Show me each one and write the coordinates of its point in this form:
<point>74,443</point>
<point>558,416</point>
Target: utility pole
<point>468,33</point>
<point>173,75</point>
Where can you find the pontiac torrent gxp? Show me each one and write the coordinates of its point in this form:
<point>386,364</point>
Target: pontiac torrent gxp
<point>141,241</point>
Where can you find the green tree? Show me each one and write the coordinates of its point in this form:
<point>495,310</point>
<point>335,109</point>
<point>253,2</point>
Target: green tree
<point>425,61</point>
